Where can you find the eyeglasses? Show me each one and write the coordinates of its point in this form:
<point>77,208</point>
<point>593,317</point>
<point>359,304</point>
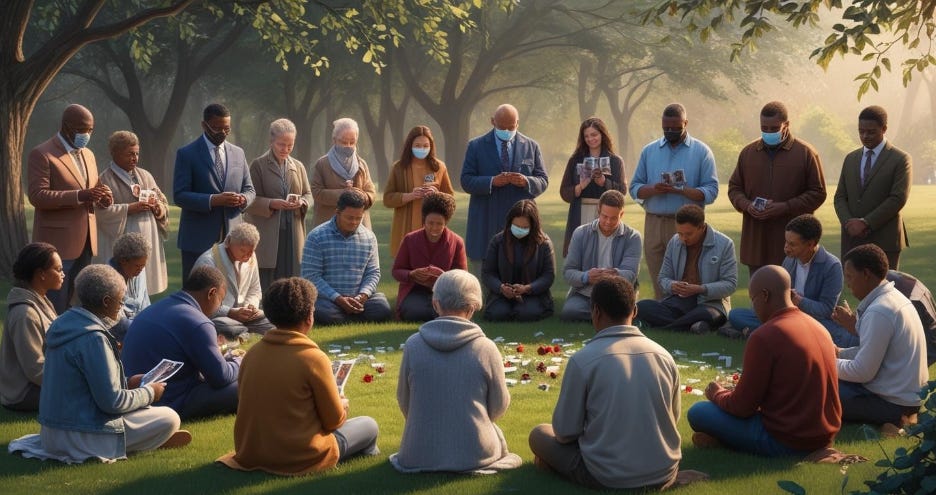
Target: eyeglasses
<point>225,130</point>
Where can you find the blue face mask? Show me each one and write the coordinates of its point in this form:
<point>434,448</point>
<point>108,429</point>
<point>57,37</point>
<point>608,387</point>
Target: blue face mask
<point>420,152</point>
<point>772,138</point>
<point>81,140</point>
<point>519,232</point>
<point>504,135</point>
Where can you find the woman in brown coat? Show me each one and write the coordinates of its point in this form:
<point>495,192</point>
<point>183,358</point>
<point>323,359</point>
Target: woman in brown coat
<point>278,212</point>
<point>340,169</point>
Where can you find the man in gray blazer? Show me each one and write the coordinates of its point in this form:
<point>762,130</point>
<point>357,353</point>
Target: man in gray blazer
<point>698,276</point>
<point>598,250</point>
<point>873,188</point>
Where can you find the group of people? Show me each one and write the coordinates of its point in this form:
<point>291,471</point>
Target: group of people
<point>248,265</point>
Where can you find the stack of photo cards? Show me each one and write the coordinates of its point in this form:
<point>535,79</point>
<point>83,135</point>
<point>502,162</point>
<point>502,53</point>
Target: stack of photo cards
<point>161,372</point>
<point>676,178</point>
<point>342,370</point>
<point>590,163</point>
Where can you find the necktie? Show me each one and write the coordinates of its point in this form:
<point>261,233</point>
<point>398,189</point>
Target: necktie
<point>79,163</point>
<point>505,157</point>
<point>866,170</point>
<point>219,165</point>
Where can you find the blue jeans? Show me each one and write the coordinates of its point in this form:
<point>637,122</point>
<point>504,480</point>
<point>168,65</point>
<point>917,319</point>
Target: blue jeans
<point>376,309</point>
<point>741,318</point>
<point>744,434</point>
<point>357,436</point>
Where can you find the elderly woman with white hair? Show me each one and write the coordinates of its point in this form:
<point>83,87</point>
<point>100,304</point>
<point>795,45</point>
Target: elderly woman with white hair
<point>452,388</point>
<point>131,252</point>
<point>88,409</point>
<point>339,170</point>
<point>279,210</point>
<point>139,206</point>
<point>239,312</point>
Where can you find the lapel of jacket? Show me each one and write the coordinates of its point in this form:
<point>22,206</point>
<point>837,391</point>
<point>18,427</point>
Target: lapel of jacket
<point>490,151</point>
<point>882,160</point>
<point>206,158</point>
<point>68,161</point>
<point>276,171</point>
<point>520,145</point>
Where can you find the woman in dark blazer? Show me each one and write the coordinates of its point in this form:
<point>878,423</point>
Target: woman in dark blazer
<point>519,268</point>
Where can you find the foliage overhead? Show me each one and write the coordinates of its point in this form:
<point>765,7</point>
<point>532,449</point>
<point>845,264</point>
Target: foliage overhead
<point>871,29</point>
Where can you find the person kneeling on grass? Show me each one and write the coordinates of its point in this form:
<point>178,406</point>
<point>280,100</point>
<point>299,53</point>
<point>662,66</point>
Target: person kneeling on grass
<point>88,408</point>
<point>291,419</point>
<point>598,438</point>
<point>452,389</point>
<point>786,402</point>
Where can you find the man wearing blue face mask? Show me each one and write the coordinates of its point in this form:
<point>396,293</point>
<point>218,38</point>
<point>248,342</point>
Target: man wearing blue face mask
<point>778,177</point>
<point>64,189</point>
<point>501,168</point>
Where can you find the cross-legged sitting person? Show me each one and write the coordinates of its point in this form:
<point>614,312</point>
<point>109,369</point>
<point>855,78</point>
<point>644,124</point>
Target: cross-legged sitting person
<point>603,248</point>
<point>291,419</point>
<point>236,258</point>
<point>698,276</point>
<point>881,378</point>
<point>816,276</point>
<point>786,403</point>
<point>178,328</point>
<point>130,254</point>
<point>340,258</point>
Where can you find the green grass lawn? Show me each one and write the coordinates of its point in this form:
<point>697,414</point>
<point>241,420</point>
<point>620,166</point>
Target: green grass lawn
<point>191,470</point>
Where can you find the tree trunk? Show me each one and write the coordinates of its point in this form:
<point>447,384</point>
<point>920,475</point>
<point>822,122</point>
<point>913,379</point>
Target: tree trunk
<point>455,126</point>
<point>16,113</point>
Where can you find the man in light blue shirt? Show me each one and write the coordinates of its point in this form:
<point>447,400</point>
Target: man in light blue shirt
<point>674,170</point>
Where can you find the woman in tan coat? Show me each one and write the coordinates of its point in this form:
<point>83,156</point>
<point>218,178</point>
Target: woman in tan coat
<point>417,174</point>
<point>340,169</point>
<point>278,212</point>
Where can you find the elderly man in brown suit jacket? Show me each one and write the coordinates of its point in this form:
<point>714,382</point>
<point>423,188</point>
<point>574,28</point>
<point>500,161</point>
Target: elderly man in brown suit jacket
<point>873,188</point>
<point>64,188</point>
<point>778,177</point>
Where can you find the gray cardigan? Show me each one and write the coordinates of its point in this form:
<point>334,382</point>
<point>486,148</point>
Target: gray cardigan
<point>583,254</point>
<point>718,269</point>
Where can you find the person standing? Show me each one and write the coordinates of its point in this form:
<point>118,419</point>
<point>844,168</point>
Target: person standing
<point>279,210</point>
<point>211,185</point>
<point>501,167</point>
<point>340,170</point>
<point>778,177</point>
<point>582,189</point>
<point>655,188</point>
<point>64,190</point>
<point>872,190</point>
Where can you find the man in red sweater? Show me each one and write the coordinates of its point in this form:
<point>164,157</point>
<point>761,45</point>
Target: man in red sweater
<point>786,402</point>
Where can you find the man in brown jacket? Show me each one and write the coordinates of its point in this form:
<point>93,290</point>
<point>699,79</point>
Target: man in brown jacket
<point>63,188</point>
<point>873,188</point>
<point>778,177</point>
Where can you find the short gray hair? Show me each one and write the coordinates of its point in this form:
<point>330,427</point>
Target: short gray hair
<point>131,246</point>
<point>281,126</point>
<point>343,124</point>
<point>457,290</point>
<point>244,234</point>
<point>95,282</point>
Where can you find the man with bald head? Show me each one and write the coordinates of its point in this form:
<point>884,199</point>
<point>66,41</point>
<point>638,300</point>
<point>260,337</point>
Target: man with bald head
<point>501,167</point>
<point>63,188</point>
<point>786,402</point>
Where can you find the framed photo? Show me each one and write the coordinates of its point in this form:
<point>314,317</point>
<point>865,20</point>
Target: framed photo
<point>760,204</point>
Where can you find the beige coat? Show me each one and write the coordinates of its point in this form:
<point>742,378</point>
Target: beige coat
<point>266,176</point>
<point>327,186</point>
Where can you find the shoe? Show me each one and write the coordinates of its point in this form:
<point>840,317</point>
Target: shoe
<point>700,328</point>
<point>890,430</point>
<point>704,440</point>
<point>178,439</point>
<point>730,332</point>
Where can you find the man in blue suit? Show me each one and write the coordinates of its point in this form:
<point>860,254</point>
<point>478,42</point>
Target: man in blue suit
<point>501,168</point>
<point>211,184</point>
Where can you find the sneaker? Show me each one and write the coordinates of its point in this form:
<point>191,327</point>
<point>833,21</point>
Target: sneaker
<point>700,328</point>
<point>178,439</point>
<point>730,332</point>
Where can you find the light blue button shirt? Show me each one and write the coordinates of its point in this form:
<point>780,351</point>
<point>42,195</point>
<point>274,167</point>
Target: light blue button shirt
<point>692,156</point>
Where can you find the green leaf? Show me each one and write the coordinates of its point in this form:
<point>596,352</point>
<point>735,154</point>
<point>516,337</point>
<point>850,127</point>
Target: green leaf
<point>791,487</point>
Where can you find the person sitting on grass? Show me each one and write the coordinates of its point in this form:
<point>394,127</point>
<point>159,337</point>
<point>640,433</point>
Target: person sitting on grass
<point>882,376</point>
<point>130,254</point>
<point>614,425</point>
<point>786,403</point>
<point>816,276</point>
<point>88,408</point>
<point>178,328</point>
<point>698,276</point>
<point>291,419</point>
<point>452,388</point>
<point>236,258</point>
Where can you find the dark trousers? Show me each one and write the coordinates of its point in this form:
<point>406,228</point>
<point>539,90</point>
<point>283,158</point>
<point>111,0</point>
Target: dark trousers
<point>203,400</point>
<point>860,405</point>
<point>417,306</point>
<point>188,261</point>
<point>30,402</point>
<point>677,313</point>
<point>62,298</point>
<point>530,308</point>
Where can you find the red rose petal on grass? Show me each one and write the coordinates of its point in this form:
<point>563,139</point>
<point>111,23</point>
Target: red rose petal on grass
<point>557,349</point>
<point>507,364</point>
<point>541,367</point>
<point>552,374</point>
<point>520,348</point>
<point>688,388</point>
<point>541,350</point>
<point>380,369</point>
<point>525,376</point>
<point>735,377</point>
<point>368,378</point>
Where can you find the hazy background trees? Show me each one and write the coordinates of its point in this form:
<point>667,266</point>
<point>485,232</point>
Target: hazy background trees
<point>396,64</point>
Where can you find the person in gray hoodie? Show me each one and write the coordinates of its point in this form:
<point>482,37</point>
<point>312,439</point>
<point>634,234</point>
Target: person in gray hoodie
<point>37,270</point>
<point>452,388</point>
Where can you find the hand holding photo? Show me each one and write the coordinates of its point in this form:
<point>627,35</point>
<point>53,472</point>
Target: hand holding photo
<point>161,372</point>
<point>666,178</point>
<point>760,204</point>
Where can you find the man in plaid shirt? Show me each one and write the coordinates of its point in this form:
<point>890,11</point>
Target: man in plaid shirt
<point>340,258</point>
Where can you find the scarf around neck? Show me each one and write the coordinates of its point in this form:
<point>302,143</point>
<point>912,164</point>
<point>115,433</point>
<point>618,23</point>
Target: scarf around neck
<point>346,169</point>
